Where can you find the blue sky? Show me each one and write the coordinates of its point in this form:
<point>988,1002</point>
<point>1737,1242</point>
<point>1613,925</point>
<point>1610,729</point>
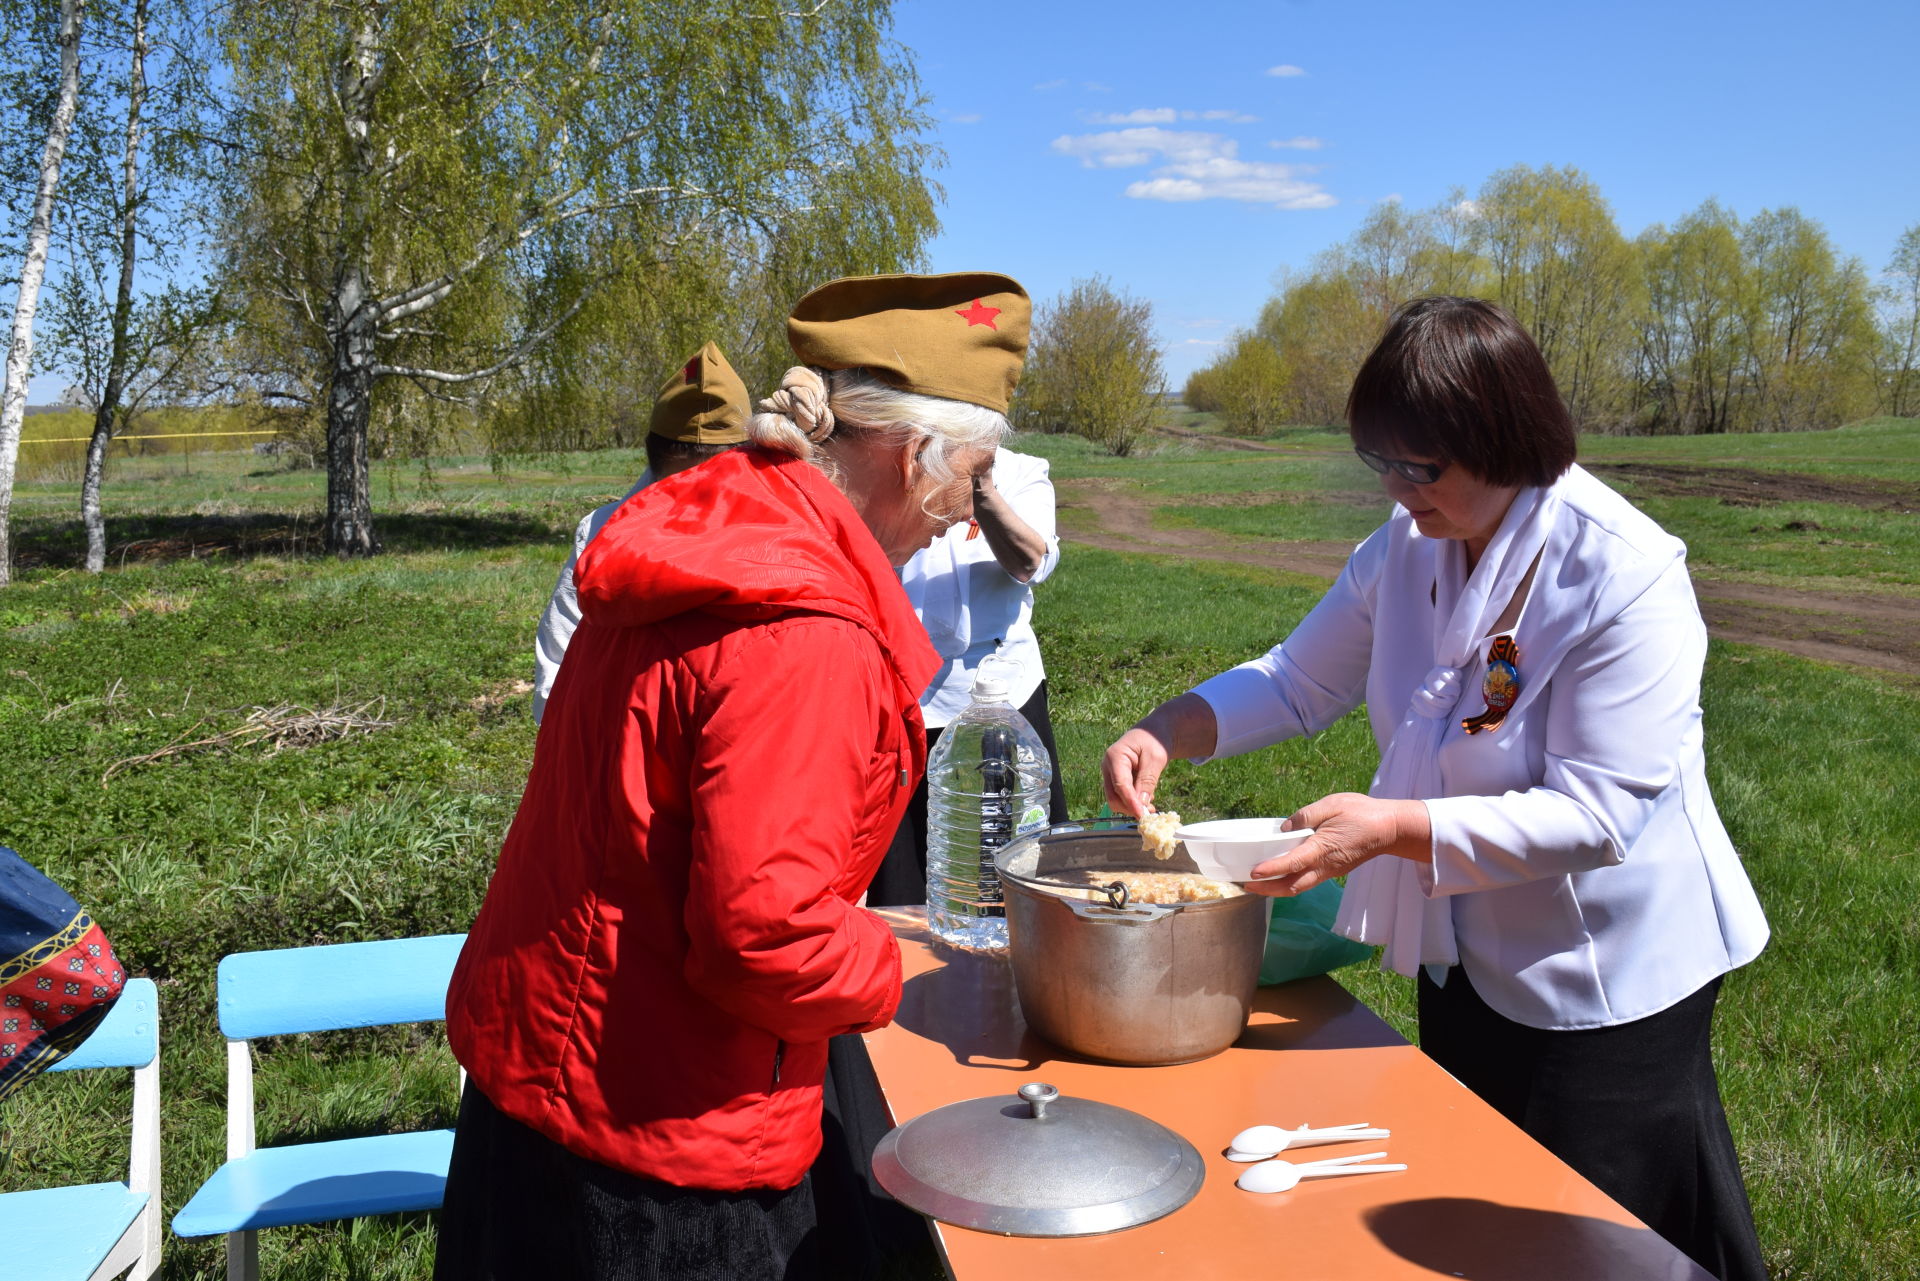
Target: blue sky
<point>1189,152</point>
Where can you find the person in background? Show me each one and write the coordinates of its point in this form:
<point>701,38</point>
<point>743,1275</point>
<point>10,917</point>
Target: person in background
<point>973,589</point>
<point>673,932</point>
<point>1539,845</point>
<point>700,411</point>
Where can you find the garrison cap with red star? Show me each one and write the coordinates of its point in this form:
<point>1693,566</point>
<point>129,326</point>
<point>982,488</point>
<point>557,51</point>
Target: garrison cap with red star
<point>704,403</point>
<point>962,335</point>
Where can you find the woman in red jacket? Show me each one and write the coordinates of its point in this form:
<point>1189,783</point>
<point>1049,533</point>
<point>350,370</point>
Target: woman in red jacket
<point>672,934</point>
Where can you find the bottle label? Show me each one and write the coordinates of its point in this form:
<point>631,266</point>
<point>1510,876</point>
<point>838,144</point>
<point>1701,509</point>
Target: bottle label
<point>996,829</point>
<point>1035,819</point>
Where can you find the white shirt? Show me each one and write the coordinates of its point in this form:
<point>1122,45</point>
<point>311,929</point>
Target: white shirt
<point>562,613</point>
<point>971,607</point>
<point>1589,878</point>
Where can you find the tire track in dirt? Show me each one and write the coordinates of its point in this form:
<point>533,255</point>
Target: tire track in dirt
<point>1878,632</point>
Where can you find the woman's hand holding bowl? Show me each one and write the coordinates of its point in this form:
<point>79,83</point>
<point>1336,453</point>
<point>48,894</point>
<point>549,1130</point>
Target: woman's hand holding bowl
<point>1348,829</point>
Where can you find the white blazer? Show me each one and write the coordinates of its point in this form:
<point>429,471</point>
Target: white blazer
<point>1589,877</point>
<point>971,607</point>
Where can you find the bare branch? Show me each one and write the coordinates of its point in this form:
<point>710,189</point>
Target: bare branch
<point>520,351</point>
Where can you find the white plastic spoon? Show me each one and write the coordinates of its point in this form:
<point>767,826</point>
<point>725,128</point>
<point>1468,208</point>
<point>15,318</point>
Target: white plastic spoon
<point>1279,1176</point>
<point>1258,1142</point>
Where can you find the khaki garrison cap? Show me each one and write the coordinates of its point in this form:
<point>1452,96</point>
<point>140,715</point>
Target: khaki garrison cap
<point>962,336</point>
<point>704,403</point>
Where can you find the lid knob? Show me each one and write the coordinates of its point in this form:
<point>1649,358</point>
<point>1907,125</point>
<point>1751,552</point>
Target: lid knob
<point>1036,1095</point>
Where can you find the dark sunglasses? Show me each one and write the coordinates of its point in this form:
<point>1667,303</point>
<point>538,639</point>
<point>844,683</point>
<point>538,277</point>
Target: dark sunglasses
<point>1418,473</point>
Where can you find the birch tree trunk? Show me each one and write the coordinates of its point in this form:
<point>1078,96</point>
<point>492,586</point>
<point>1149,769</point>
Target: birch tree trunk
<point>117,358</point>
<point>13,401</point>
<point>352,312</point>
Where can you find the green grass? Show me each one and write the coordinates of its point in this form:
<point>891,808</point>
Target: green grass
<point>394,832</point>
<point>1877,449</point>
<point>1815,546</point>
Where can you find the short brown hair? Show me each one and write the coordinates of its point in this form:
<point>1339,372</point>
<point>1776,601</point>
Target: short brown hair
<point>660,449</point>
<point>1458,380</point>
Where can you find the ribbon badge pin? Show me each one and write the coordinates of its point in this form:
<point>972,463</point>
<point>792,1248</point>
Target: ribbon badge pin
<point>1500,687</point>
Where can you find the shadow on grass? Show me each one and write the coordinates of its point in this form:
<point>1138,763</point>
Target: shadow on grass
<point>164,539</point>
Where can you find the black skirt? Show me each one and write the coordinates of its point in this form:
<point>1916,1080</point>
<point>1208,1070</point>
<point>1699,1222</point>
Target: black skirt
<point>1634,1107</point>
<point>520,1207</point>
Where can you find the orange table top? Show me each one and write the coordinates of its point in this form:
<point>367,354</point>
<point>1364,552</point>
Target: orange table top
<point>1479,1199</point>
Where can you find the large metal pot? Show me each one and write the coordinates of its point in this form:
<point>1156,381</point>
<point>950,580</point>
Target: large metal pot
<point>1143,984</point>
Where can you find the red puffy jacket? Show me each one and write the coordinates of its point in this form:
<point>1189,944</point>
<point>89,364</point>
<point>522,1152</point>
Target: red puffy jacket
<point>671,935</point>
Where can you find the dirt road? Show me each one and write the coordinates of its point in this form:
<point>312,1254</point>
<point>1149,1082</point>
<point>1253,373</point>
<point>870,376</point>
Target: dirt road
<point>1878,632</point>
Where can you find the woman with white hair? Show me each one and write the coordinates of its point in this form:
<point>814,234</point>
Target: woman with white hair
<point>673,935</point>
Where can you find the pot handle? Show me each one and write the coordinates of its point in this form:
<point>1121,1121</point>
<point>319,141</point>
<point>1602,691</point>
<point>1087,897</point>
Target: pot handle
<point>1131,914</point>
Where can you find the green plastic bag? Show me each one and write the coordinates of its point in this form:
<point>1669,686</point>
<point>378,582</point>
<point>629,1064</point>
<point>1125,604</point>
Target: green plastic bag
<point>1300,938</point>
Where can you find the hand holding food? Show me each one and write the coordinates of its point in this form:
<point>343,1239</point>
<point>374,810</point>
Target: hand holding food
<point>1131,770</point>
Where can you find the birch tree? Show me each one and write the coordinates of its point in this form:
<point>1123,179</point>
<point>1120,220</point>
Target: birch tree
<point>119,346</point>
<point>429,194</point>
<point>13,400</point>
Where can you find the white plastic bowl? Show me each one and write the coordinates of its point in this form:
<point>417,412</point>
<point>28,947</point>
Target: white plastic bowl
<point>1228,849</point>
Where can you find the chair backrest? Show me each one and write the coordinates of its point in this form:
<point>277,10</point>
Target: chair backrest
<point>343,985</point>
<point>128,1037</point>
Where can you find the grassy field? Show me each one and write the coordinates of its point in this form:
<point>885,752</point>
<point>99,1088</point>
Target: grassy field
<point>218,605</point>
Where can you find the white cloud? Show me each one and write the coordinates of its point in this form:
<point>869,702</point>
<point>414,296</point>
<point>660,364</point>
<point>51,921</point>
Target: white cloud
<point>1126,148</point>
<point>1286,69</point>
<point>966,118</point>
<point>1224,178</point>
<point>1194,166</point>
<point>1201,342</point>
<point>1046,86</point>
<point>1164,116</point>
<point>1302,143</point>
<point>1468,209</point>
<point>1143,116</point>
<point>1094,86</point>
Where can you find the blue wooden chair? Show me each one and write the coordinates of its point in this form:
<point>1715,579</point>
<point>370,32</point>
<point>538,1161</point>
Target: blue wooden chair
<point>94,1231</point>
<point>319,989</point>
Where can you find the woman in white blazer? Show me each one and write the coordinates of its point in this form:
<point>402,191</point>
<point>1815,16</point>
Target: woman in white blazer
<point>1539,844</point>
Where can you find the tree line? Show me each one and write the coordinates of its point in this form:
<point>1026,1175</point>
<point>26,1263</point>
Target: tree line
<point>1710,324</point>
<point>382,223</point>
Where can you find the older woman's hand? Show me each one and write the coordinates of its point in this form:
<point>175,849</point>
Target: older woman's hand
<point>1348,829</point>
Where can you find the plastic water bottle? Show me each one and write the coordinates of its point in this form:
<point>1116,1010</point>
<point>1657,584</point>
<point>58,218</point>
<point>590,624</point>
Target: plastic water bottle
<point>987,783</point>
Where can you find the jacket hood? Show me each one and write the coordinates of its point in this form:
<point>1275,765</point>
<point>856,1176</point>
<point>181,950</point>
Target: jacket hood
<point>749,536</point>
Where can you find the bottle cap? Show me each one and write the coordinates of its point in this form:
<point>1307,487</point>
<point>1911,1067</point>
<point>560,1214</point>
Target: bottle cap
<point>990,684</point>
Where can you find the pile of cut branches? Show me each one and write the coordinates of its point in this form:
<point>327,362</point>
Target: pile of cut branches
<point>282,726</point>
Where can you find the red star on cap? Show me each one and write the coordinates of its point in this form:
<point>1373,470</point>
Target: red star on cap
<point>979,314</point>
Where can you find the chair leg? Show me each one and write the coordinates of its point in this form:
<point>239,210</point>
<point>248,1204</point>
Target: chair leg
<point>149,1262</point>
<point>243,1256</point>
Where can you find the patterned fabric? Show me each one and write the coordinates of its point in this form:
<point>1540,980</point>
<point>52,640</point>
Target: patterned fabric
<point>58,973</point>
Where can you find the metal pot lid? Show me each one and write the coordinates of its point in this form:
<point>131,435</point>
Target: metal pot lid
<point>1038,1164</point>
